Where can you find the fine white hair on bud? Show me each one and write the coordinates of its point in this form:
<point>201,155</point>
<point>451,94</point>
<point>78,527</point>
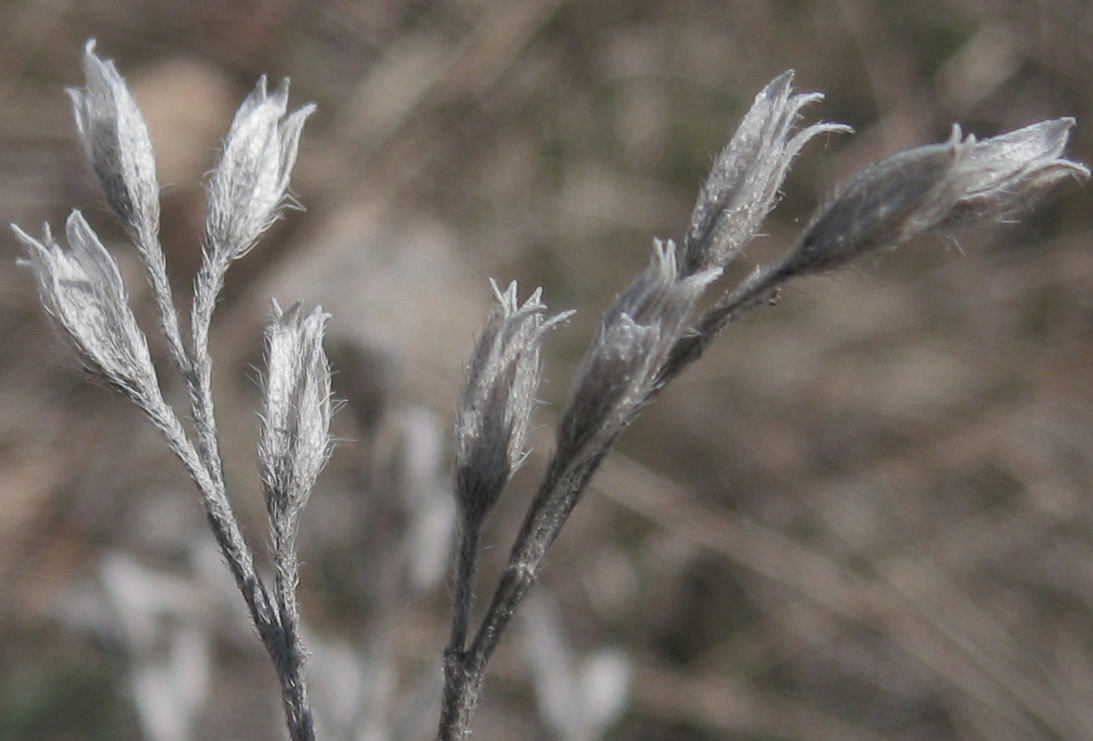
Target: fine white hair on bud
<point>618,373</point>
<point>294,436</point>
<point>250,183</point>
<point>118,147</point>
<point>1004,176</point>
<point>498,398</point>
<point>743,185</point>
<point>937,187</point>
<point>82,289</point>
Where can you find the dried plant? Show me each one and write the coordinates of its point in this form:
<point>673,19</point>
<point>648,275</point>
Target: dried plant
<point>82,289</point>
<point>651,333</point>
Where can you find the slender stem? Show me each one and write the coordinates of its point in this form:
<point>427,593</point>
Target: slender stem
<point>562,487</point>
<point>460,684</point>
<point>156,270</point>
<point>278,619</point>
<point>210,280</point>
<point>290,655</point>
<point>221,518</point>
<point>221,515</point>
<point>466,566</point>
<point>464,669</point>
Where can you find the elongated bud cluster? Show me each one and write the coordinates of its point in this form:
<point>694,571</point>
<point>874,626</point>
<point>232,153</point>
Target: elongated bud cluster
<point>655,328</point>
<point>498,398</point>
<point>82,289</point>
<point>294,436</point>
<point>937,187</point>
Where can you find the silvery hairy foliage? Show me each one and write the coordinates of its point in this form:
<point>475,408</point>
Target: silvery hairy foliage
<point>81,288</point>
<point>657,326</point>
<point>654,329</point>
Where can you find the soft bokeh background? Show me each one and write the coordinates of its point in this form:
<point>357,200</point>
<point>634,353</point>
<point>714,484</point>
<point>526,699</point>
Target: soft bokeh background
<point>865,514</point>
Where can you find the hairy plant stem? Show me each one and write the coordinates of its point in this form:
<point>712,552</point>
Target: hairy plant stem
<point>466,566</point>
<point>759,289</point>
<point>568,474</point>
<point>277,626</point>
<point>464,669</point>
<point>218,510</point>
<point>276,615</point>
<point>155,269</point>
<point>287,649</point>
<point>456,709</point>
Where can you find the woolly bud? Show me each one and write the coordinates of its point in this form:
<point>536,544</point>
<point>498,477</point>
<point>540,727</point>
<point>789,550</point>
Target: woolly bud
<point>249,185</point>
<point>1005,175</point>
<point>619,369</point>
<point>940,186</point>
<point>743,184</point>
<point>498,398</point>
<point>118,147</point>
<point>294,436</point>
<point>82,289</point>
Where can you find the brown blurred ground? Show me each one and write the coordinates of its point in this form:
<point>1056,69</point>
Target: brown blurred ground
<point>864,515</point>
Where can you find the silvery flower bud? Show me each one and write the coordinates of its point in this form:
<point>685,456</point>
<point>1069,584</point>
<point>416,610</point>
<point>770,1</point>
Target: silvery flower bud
<point>117,144</point>
<point>619,370</point>
<point>82,289</point>
<point>250,182</point>
<point>936,187</point>
<point>498,398</point>
<point>743,184</point>
<point>294,436</point>
<point>1006,175</point>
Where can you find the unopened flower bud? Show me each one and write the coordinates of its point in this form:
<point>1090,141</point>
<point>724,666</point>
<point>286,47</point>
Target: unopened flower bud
<point>498,399</point>
<point>82,289</point>
<point>294,437</point>
<point>743,184</point>
<point>118,147</point>
<point>1006,175</point>
<point>250,182</point>
<point>953,185</point>
<point>619,370</point>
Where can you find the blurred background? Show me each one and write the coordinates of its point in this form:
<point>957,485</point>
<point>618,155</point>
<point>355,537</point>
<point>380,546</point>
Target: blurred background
<point>864,515</point>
